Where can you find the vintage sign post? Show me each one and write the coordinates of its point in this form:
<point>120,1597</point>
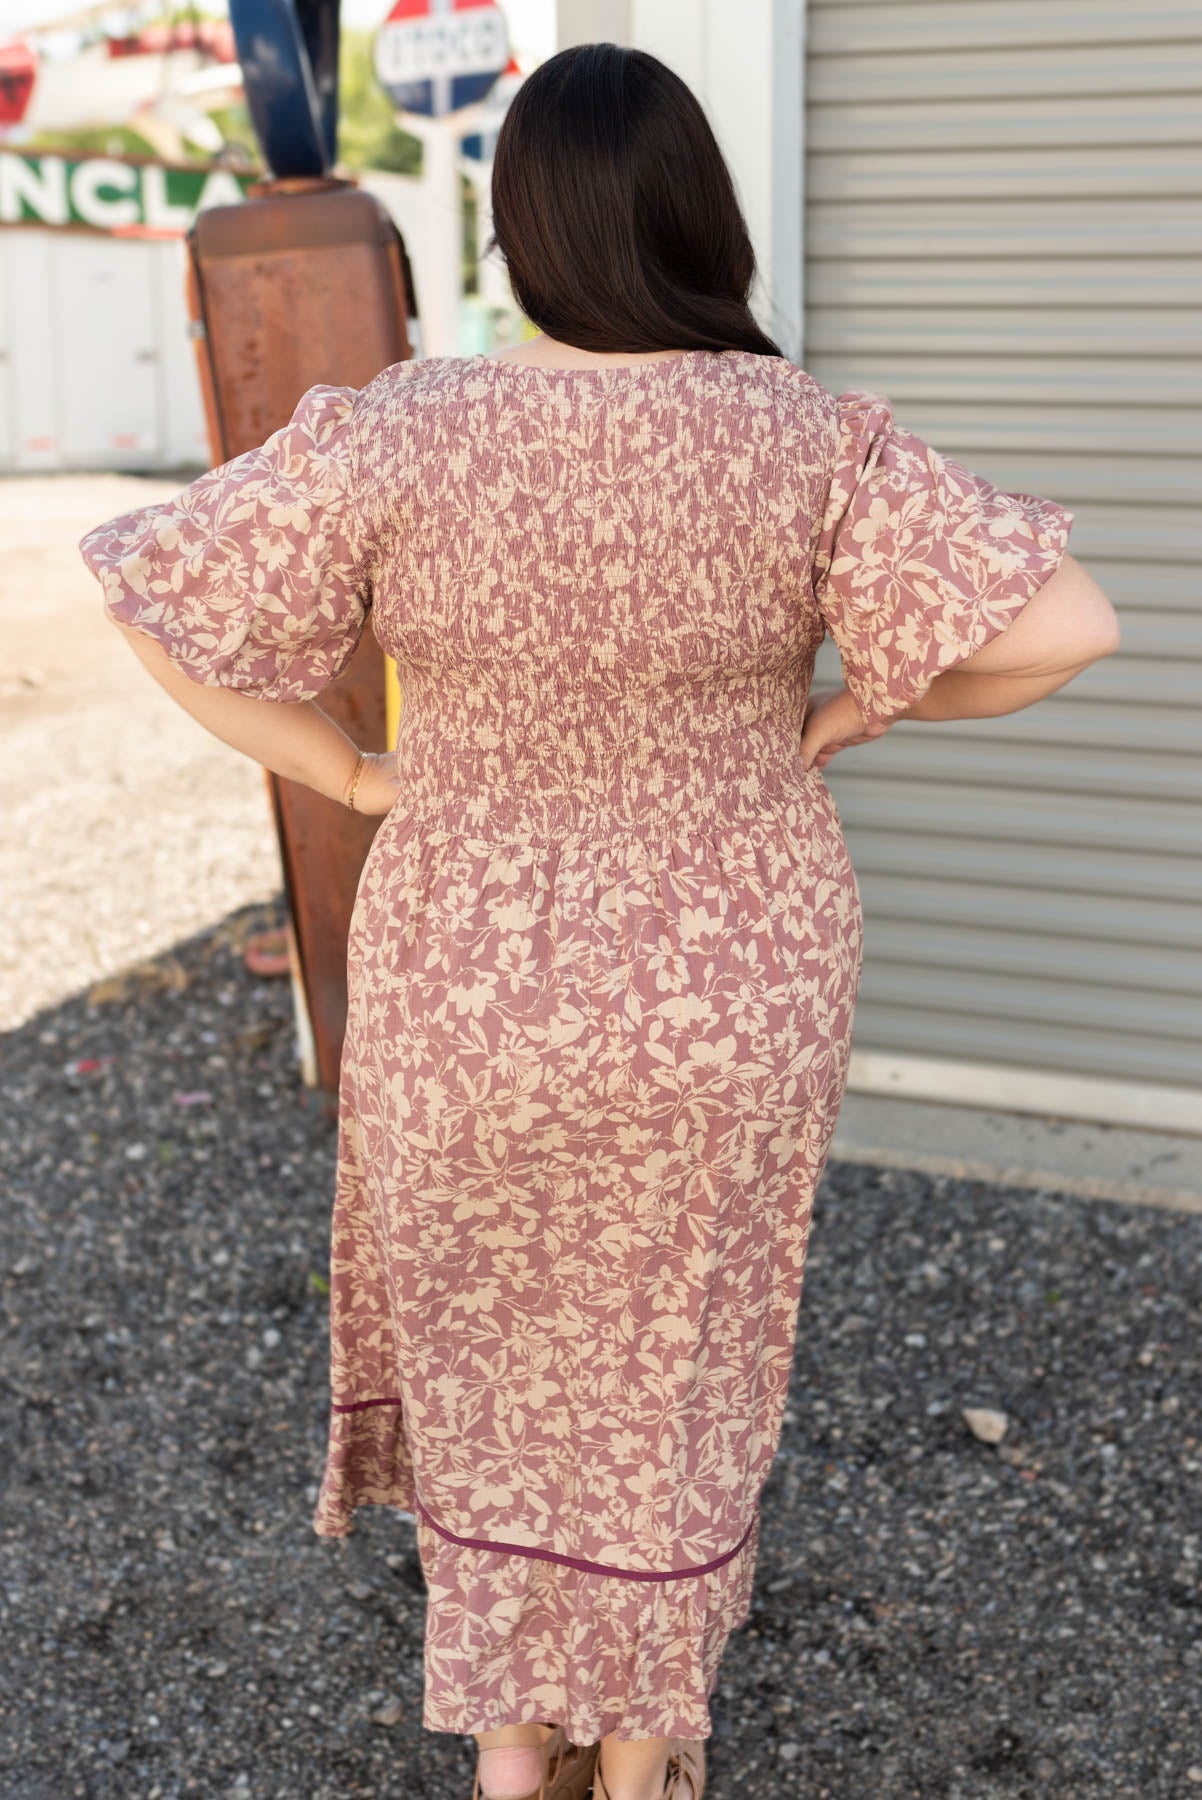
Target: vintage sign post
<point>437,60</point>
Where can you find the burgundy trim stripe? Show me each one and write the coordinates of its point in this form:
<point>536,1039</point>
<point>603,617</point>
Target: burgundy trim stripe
<point>358,1405</point>
<point>555,1556</point>
<point>576,1562</point>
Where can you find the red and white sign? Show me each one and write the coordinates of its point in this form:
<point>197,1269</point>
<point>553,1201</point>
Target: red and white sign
<point>435,56</point>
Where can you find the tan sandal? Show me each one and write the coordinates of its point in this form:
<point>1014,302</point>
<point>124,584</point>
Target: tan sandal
<point>567,1769</point>
<point>686,1758</point>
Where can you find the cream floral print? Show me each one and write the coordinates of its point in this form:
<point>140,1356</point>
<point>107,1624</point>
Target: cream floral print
<point>920,562</point>
<point>604,953</point>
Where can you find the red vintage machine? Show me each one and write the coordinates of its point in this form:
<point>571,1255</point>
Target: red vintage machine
<point>307,281</point>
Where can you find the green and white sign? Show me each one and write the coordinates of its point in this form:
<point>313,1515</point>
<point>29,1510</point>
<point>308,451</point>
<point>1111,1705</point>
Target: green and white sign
<point>110,194</point>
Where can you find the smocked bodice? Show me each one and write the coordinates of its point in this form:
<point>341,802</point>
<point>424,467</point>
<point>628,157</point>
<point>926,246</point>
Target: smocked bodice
<point>595,584</point>
<point>544,751</point>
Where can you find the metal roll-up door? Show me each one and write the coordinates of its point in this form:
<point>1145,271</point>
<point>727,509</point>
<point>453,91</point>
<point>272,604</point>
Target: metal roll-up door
<point>1003,234</point>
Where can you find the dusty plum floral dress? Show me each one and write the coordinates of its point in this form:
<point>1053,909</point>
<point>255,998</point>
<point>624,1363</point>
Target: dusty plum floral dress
<point>604,953</point>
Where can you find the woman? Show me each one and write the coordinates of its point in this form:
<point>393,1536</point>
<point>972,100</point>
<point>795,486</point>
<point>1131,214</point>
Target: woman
<point>606,942</point>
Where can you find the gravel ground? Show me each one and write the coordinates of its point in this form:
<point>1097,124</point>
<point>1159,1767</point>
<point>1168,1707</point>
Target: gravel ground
<point>935,1615</point>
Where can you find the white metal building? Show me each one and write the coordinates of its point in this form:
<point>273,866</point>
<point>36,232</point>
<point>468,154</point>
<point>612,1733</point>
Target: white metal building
<point>96,366</point>
<point>991,211</point>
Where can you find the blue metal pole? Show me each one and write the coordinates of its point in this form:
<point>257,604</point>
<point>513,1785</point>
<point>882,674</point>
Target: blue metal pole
<point>288,50</point>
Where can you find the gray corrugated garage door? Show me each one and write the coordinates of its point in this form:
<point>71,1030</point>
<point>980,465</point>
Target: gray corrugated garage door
<point>1004,236</point>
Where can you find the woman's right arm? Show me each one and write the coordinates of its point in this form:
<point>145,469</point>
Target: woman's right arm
<point>296,739</point>
<point>1066,625</point>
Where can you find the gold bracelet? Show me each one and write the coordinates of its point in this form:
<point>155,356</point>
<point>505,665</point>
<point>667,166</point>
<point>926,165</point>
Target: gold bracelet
<point>350,798</point>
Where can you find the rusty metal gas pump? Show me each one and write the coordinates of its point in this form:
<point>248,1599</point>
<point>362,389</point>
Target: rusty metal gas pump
<point>306,281</point>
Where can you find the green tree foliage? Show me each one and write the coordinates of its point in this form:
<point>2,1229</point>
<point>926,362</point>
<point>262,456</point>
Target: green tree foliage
<point>100,140</point>
<point>368,134</point>
<point>241,146</point>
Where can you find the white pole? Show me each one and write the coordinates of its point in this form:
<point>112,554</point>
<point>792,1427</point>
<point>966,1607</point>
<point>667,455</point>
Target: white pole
<point>494,282</point>
<point>438,259</point>
<point>437,274</point>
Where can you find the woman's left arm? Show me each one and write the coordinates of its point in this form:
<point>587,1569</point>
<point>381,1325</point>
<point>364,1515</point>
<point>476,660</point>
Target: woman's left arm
<point>1067,625</point>
<point>295,739</point>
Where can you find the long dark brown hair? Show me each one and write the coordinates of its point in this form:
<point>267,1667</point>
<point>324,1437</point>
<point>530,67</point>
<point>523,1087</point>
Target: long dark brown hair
<point>615,212</point>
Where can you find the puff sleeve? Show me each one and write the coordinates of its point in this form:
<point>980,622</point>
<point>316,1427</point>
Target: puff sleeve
<point>919,562</point>
<point>253,577</point>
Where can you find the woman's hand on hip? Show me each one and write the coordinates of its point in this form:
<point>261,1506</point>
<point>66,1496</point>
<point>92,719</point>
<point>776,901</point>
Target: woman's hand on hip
<point>379,785</point>
<point>833,722</point>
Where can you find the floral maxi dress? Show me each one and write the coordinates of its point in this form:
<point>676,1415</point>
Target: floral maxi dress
<point>604,952</point>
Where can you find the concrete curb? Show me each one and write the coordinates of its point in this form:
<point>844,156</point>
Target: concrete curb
<point>1098,1162</point>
